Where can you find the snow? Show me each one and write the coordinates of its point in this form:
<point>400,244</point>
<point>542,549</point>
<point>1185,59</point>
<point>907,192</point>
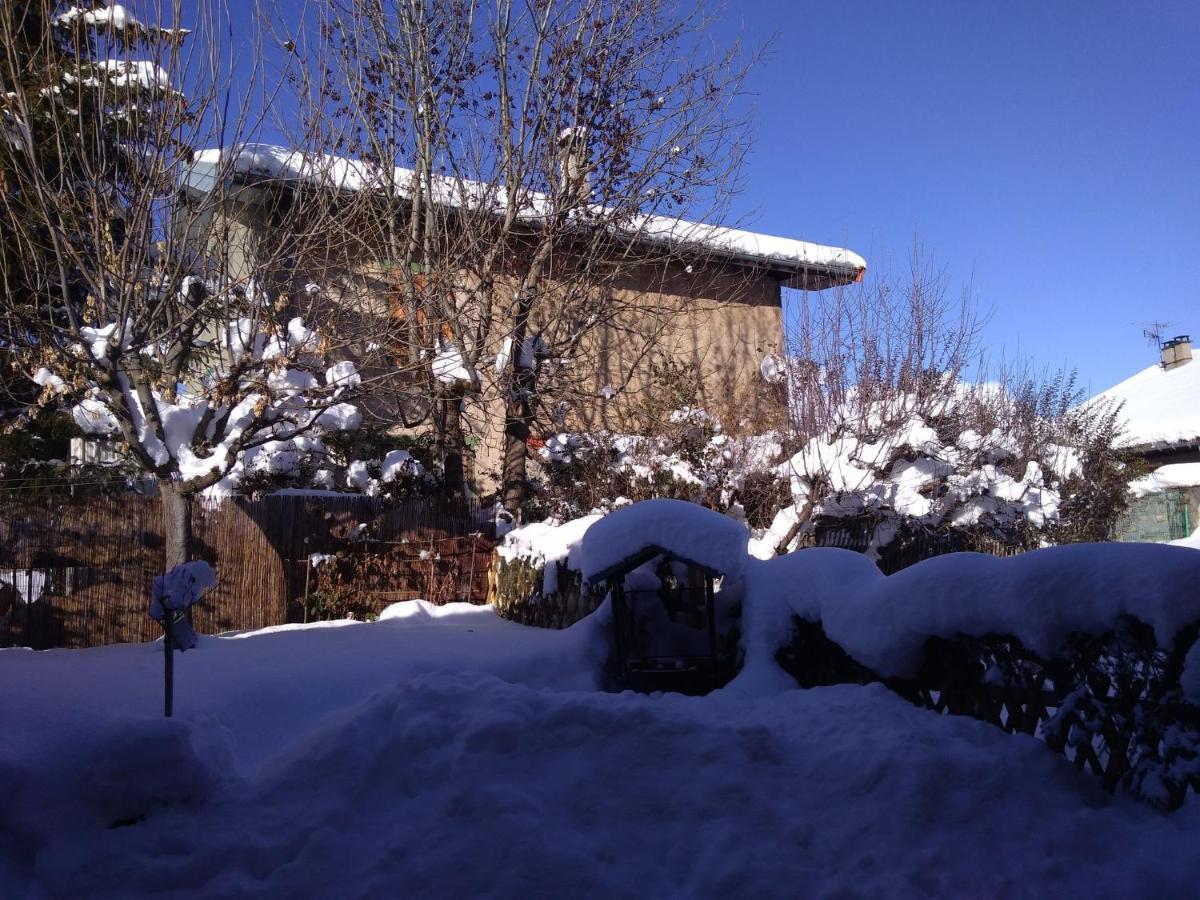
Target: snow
<point>183,586</point>
<point>100,339</point>
<point>683,529</point>
<point>115,17</point>
<point>45,378</point>
<point>1165,478</point>
<point>1161,406</point>
<point>93,417</point>
<point>1192,540</point>
<point>140,73</point>
<point>1040,597</point>
<point>887,461</point>
<point>444,752</point>
<point>279,393</point>
<point>343,375</point>
<point>545,544</point>
<point>397,463</point>
<point>340,417</point>
<point>358,476</point>
<point>450,367</point>
<point>1190,678</point>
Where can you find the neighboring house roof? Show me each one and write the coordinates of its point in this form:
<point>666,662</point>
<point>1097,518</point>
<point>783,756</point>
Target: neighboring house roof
<point>1161,407</point>
<point>800,264</point>
<point>1166,478</point>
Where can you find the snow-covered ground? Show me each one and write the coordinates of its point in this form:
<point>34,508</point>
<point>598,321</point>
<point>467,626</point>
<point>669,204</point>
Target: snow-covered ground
<point>448,753</point>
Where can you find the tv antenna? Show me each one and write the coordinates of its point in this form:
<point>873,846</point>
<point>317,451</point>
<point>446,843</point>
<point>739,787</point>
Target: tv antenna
<point>1153,333</point>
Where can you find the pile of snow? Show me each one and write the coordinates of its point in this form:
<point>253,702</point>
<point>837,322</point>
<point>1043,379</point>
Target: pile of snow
<point>1161,407</point>
<point>685,530</point>
<point>1192,540</point>
<point>395,465</point>
<point>445,752</point>
<point>547,545</point>
<point>182,587</point>
<point>1040,597</point>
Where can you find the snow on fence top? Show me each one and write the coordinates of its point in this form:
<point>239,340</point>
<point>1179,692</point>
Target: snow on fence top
<point>812,266</point>
<point>1040,597</point>
<point>1161,406</point>
<point>684,530</point>
<point>543,544</point>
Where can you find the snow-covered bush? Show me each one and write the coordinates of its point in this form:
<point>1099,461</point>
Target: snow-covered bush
<point>692,458</point>
<point>1022,466</point>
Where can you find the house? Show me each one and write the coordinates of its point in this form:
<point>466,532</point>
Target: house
<point>1161,409</point>
<point>705,297</point>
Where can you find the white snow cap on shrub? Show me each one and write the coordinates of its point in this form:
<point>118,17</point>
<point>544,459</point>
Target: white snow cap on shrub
<point>682,529</point>
<point>1040,597</point>
<point>544,544</point>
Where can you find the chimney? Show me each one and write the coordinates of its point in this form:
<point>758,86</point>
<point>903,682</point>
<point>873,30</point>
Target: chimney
<point>1177,351</point>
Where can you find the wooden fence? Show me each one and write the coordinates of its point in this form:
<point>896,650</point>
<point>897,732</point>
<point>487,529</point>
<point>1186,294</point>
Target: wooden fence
<point>78,574</point>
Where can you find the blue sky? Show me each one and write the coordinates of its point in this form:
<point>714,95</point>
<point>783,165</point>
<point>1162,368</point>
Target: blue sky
<point>1046,152</point>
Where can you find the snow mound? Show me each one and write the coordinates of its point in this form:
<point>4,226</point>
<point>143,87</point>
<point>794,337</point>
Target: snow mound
<point>683,529</point>
<point>545,544</point>
<point>1040,597</point>
<point>1192,540</point>
<point>454,784</point>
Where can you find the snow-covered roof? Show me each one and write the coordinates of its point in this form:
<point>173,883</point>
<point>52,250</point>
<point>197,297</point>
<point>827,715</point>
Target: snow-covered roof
<point>803,264</point>
<point>1161,406</point>
<point>684,530</point>
<point>1165,478</point>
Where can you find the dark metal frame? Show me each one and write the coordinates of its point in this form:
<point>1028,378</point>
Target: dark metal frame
<point>704,672</point>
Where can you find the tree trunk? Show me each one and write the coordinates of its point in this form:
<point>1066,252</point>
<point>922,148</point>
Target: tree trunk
<point>518,418</point>
<point>453,444</point>
<point>802,517</point>
<point>177,523</point>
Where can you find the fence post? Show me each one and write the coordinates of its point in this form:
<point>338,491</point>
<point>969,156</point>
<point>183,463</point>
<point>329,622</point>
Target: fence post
<point>169,668</point>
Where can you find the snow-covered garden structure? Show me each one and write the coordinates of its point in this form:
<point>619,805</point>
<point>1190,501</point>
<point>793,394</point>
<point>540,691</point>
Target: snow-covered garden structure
<point>658,562</point>
<point>1091,647</point>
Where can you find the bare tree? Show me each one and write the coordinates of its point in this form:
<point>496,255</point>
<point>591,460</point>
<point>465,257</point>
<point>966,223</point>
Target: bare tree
<point>127,287</point>
<point>547,152</point>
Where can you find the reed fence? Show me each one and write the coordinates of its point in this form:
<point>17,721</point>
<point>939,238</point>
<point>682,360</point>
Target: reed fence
<point>78,573</point>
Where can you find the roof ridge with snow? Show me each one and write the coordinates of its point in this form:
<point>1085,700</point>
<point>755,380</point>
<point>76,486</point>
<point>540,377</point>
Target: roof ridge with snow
<point>1161,407</point>
<point>805,264</point>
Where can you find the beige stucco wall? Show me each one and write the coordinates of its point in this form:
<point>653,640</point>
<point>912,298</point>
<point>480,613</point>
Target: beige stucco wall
<point>721,321</point>
<point>720,318</point>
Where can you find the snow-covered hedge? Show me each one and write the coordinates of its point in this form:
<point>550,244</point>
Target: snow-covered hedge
<point>974,460</point>
<point>1041,598</point>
